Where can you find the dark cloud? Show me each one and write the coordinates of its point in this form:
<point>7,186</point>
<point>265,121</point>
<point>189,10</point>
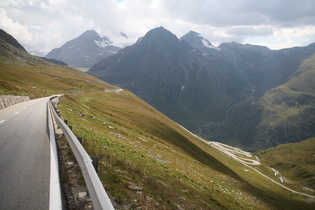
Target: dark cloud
<point>245,12</point>
<point>50,23</point>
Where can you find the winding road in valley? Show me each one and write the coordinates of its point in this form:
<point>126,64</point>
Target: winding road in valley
<point>238,155</point>
<point>25,156</point>
<point>245,158</point>
<point>235,153</point>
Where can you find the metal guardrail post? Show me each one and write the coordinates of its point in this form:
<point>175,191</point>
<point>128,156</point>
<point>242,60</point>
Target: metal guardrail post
<point>80,140</point>
<point>95,163</point>
<point>96,190</point>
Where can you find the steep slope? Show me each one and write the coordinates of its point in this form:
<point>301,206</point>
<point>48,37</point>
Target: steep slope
<point>139,146</point>
<point>84,51</point>
<point>170,75</point>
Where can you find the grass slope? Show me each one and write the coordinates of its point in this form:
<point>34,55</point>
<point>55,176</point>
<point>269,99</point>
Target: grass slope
<point>296,161</point>
<point>289,109</point>
<point>139,146</point>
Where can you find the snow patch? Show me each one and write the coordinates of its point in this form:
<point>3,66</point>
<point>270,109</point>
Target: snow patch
<point>206,43</point>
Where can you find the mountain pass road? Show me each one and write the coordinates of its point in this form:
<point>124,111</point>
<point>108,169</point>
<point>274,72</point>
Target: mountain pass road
<point>24,156</point>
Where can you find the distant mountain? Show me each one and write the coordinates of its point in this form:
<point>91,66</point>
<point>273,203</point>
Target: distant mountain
<point>37,53</point>
<point>265,68</point>
<point>84,51</point>
<point>218,93</point>
<point>54,61</point>
<point>173,77</point>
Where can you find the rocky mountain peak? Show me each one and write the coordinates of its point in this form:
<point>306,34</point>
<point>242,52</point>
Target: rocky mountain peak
<point>161,40</point>
<point>196,40</point>
<point>90,34</point>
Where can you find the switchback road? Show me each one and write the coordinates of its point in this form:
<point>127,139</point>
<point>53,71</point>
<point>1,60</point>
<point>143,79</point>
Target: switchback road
<point>238,155</point>
<point>24,156</point>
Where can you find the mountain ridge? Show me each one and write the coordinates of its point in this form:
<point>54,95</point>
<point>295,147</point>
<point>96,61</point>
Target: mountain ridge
<point>164,65</point>
<point>200,87</point>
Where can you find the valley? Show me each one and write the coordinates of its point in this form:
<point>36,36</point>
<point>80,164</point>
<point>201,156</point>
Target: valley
<point>147,160</point>
<point>249,160</point>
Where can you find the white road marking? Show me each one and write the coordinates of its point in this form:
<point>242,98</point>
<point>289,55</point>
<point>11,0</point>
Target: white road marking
<point>17,112</point>
<point>2,121</point>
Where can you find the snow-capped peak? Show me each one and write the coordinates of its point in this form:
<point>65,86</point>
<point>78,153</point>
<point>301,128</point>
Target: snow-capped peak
<point>204,41</point>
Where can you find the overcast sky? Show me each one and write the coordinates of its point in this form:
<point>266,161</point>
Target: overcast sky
<point>46,24</point>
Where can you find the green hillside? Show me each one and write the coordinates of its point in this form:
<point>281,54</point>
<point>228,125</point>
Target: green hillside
<point>139,146</point>
<point>282,115</point>
<point>296,161</point>
<point>136,144</point>
<point>289,109</point>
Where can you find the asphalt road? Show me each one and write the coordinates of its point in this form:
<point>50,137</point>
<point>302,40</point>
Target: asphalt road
<point>24,156</point>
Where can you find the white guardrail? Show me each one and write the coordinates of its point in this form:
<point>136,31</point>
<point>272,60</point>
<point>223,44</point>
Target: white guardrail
<point>96,190</point>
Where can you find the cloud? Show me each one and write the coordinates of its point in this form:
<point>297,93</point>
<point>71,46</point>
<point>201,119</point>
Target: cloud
<point>46,24</point>
<point>14,27</point>
<point>250,31</point>
<point>222,13</point>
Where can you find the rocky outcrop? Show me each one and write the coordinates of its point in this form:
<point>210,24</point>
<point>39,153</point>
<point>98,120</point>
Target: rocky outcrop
<point>6,100</point>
